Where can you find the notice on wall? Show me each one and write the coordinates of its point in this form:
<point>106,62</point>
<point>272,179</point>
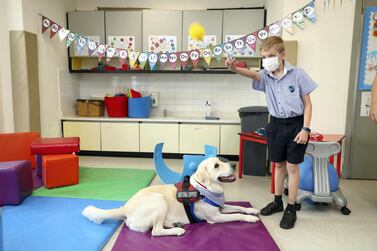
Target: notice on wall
<point>366,99</point>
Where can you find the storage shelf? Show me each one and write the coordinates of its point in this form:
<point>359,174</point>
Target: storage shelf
<point>155,72</point>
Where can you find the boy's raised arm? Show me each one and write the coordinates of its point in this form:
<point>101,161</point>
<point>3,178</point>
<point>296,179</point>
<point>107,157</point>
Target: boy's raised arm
<point>232,65</point>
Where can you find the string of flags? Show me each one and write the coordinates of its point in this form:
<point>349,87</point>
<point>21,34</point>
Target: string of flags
<point>101,50</point>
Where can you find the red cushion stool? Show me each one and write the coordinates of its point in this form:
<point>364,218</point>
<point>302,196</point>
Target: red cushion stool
<point>60,170</point>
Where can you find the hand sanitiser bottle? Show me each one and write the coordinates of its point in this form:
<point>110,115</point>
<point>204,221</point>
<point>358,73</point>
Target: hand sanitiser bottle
<point>208,109</point>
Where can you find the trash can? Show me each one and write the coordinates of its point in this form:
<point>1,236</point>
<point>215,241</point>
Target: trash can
<point>254,154</point>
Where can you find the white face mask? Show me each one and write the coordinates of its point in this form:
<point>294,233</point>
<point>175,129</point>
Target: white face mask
<point>271,64</point>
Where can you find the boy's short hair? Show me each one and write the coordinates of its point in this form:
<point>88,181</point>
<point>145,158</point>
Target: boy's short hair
<point>272,42</point>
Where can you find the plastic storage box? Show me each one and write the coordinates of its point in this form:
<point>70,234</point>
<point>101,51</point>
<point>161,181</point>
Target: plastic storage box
<point>139,107</point>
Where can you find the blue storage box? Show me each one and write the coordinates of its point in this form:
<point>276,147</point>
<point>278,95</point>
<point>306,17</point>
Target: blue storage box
<point>139,107</point>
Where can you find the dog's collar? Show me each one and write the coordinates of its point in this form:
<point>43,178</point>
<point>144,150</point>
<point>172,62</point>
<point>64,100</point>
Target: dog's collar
<point>212,198</point>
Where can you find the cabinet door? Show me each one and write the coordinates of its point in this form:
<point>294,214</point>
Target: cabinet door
<point>154,133</point>
<point>193,137</point>
<point>229,139</point>
<point>125,23</point>
<point>210,19</point>
<point>243,22</point>
<point>87,23</point>
<point>89,133</point>
<point>162,22</point>
<point>120,137</point>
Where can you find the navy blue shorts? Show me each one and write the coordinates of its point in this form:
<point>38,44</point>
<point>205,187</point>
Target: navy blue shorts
<point>280,137</point>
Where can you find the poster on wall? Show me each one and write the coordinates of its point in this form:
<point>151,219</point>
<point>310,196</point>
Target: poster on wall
<point>162,44</point>
<point>368,63</point>
<point>122,42</point>
<point>208,41</point>
<point>366,100</point>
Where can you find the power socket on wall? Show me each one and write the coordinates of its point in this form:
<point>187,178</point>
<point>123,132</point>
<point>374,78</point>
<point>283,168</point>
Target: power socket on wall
<point>154,98</point>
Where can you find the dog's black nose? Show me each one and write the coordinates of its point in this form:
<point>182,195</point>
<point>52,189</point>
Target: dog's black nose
<point>233,165</point>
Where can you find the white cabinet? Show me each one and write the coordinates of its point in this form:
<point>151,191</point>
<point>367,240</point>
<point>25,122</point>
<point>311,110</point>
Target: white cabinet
<point>89,133</point>
<point>193,137</point>
<point>122,136</point>
<point>154,133</point>
<point>229,139</point>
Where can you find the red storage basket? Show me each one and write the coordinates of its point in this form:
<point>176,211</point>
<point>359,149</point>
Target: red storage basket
<point>117,106</point>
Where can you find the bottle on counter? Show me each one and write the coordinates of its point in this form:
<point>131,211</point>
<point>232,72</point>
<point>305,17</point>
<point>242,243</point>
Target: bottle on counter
<point>208,108</point>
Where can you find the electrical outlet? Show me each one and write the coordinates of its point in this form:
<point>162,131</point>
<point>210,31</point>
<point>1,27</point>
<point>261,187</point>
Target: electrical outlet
<point>154,97</point>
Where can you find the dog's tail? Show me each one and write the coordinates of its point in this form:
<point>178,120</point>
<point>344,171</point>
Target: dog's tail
<point>98,215</point>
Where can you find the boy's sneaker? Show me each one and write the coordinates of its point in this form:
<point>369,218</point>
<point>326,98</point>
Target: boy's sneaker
<point>271,208</point>
<point>289,219</point>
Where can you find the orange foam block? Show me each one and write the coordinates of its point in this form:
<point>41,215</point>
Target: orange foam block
<point>60,170</point>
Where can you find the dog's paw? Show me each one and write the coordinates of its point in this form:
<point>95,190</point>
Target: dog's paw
<point>180,231</point>
<point>250,218</point>
<point>93,214</point>
<point>252,211</point>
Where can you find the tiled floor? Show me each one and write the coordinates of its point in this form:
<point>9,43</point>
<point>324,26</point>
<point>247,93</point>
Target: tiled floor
<point>318,227</point>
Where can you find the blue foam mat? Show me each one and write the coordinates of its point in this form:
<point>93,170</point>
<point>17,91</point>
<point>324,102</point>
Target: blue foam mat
<point>48,223</point>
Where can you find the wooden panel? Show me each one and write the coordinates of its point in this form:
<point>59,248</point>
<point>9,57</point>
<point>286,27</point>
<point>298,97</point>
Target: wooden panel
<point>154,133</point>
<point>229,139</point>
<point>123,137</point>
<point>193,137</point>
<point>89,133</point>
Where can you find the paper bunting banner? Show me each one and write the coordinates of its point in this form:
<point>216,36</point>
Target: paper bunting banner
<point>46,23</point>
<point>63,33</point>
<point>163,58</point>
<point>122,56</point>
<point>143,58</point>
<point>251,40</point>
<point>173,60</point>
<point>309,12</point>
<point>218,52</point>
<point>275,29</point>
<point>194,56</point>
<point>298,18</point>
<point>239,43</point>
<point>263,34</point>
<point>184,58</point>
<point>153,58</point>
<point>207,55</point>
<point>82,41</point>
<point>133,56</point>
<point>287,24</point>
<point>110,52</point>
<point>54,29</point>
<point>70,38</point>
<point>228,47</point>
<point>92,46</point>
<point>101,50</point>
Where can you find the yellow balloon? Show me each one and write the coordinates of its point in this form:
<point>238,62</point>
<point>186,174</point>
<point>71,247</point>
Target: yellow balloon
<point>196,31</point>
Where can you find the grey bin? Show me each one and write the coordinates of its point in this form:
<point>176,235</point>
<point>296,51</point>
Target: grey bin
<point>254,154</point>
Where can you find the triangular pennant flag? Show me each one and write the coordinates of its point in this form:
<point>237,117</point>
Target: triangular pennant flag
<point>263,33</point>
<point>287,24</point>
<point>92,46</point>
<point>63,33</point>
<point>153,58</point>
<point>101,50</point>
<point>239,43</point>
<point>70,38</point>
<point>173,60</point>
<point>194,56</point>
<point>163,58</point>
<point>81,42</point>
<point>228,47</point>
<point>184,58</point>
<point>218,52</point>
<point>122,56</point>
<point>207,55</point>
<point>298,18</point>
<point>133,56</point>
<point>275,29</point>
<point>309,12</point>
<point>143,58</point>
<point>46,23</point>
<point>54,29</point>
<point>251,40</point>
<point>110,52</point>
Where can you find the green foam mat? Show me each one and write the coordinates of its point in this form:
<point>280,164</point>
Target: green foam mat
<point>103,184</point>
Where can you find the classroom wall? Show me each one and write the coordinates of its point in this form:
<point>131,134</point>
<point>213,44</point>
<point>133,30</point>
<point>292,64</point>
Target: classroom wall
<point>324,51</point>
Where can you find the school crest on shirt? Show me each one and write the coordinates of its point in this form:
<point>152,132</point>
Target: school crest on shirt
<point>291,88</point>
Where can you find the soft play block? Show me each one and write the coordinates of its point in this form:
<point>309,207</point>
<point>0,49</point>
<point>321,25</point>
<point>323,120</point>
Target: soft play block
<point>60,170</point>
<point>17,146</point>
<point>240,236</point>
<point>16,182</point>
<point>55,145</point>
<point>56,224</point>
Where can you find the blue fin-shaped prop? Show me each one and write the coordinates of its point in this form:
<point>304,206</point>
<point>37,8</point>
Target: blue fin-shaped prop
<point>166,175</point>
<point>210,151</point>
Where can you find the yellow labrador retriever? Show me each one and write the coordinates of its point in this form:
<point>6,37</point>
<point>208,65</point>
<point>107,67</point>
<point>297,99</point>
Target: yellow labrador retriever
<point>157,206</point>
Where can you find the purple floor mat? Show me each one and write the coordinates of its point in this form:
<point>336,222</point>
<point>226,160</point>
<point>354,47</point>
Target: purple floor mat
<point>37,181</point>
<point>202,236</point>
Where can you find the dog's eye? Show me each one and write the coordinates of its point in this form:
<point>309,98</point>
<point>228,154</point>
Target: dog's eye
<point>216,165</point>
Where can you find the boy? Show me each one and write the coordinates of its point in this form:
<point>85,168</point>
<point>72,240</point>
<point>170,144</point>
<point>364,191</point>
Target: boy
<point>287,90</point>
